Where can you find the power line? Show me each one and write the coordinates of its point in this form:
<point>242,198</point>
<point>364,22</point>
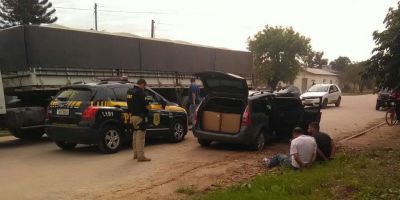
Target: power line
<point>113,11</point>
<point>68,8</point>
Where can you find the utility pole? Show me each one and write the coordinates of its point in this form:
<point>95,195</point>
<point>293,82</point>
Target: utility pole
<point>152,28</point>
<point>95,16</point>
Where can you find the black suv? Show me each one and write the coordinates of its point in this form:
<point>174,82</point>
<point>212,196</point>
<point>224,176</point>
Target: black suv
<point>97,114</point>
<point>229,114</point>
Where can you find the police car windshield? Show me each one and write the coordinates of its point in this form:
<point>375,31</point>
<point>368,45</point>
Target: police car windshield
<point>74,95</point>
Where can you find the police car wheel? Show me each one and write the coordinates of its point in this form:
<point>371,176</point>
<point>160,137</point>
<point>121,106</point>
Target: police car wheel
<point>65,145</point>
<point>110,140</point>
<point>178,131</point>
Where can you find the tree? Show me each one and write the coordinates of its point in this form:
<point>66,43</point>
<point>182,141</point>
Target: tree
<point>384,65</point>
<point>315,59</point>
<point>340,63</point>
<point>25,12</point>
<point>352,77</point>
<point>277,54</point>
<point>319,61</point>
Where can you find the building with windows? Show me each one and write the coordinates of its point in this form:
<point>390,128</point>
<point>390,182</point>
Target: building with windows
<point>310,76</point>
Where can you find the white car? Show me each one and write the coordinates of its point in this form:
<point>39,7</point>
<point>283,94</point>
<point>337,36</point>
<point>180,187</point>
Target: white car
<point>330,94</point>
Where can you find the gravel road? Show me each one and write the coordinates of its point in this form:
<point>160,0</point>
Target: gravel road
<point>40,170</point>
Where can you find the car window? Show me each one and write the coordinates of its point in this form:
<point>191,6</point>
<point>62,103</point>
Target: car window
<point>111,94</point>
<point>151,97</point>
<point>331,89</point>
<point>75,95</point>
<point>336,89</point>
<point>120,93</point>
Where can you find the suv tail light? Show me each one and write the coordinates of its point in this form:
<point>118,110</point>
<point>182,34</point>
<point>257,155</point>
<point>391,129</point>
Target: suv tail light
<point>89,113</point>
<point>246,120</point>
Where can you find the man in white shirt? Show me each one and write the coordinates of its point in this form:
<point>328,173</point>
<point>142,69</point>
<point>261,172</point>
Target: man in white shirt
<point>302,152</point>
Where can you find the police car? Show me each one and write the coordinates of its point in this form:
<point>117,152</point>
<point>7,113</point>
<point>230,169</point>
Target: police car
<point>97,114</point>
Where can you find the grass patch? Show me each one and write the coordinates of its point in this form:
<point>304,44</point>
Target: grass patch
<point>188,190</point>
<point>373,174</point>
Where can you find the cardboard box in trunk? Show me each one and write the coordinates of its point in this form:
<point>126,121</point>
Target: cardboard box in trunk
<point>230,123</point>
<point>211,121</point>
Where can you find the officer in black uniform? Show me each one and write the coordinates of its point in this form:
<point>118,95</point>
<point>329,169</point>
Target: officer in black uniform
<point>137,107</point>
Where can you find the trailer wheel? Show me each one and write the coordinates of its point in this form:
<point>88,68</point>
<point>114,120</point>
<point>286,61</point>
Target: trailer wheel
<point>31,134</point>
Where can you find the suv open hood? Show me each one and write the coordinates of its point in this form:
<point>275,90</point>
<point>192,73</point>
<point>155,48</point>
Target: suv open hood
<point>224,84</point>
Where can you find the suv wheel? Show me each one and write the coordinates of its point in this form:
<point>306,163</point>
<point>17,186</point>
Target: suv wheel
<point>203,142</point>
<point>65,145</point>
<point>377,107</point>
<point>325,103</point>
<point>259,143</point>
<point>178,131</point>
<point>337,103</point>
<point>110,140</point>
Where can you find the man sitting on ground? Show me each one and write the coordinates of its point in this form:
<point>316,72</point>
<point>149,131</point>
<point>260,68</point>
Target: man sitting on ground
<point>302,152</point>
<point>326,147</point>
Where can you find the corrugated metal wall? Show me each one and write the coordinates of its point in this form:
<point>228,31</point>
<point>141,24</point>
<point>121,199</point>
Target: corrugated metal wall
<point>61,48</point>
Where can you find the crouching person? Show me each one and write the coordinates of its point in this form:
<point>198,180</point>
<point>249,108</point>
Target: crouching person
<point>302,152</point>
<point>326,149</point>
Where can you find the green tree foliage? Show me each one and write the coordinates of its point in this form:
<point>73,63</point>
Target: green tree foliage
<point>352,78</point>
<point>278,53</point>
<point>385,62</point>
<point>315,59</point>
<point>340,63</point>
<point>25,12</point>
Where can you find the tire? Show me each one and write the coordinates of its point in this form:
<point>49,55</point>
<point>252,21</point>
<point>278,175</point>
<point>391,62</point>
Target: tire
<point>203,142</point>
<point>178,131</point>
<point>110,139</point>
<point>31,134</point>
<point>65,145</point>
<point>259,142</point>
<point>391,117</point>
<point>337,103</point>
<point>325,103</point>
<point>377,107</point>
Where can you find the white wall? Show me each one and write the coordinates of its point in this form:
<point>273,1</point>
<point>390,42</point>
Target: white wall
<point>317,78</point>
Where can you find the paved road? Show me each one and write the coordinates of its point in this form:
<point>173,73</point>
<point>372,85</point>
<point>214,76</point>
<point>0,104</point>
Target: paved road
<point>39,170</point>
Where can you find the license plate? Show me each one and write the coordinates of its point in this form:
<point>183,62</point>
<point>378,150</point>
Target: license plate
<point>62,111</point>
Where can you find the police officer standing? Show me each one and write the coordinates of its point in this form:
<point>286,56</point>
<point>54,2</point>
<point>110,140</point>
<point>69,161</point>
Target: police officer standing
<point>137,108</point>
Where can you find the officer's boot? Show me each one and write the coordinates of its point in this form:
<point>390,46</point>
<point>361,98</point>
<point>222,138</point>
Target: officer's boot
<point>140,140</point>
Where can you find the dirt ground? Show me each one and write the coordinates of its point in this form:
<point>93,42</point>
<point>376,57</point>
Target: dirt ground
<point>39,170</point>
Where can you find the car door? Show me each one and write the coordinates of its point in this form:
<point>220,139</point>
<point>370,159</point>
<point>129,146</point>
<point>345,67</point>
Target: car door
<point>287,114</point>
<point>333,94</point>
<point>158,117</point>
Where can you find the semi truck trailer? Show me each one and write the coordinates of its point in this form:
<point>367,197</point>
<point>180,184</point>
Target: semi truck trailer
<point>35,61</point>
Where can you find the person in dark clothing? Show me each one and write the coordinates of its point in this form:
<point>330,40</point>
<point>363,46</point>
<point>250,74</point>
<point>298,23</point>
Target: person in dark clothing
<point>137,107</point>
<point>194,97</point>
<point>326,147</point>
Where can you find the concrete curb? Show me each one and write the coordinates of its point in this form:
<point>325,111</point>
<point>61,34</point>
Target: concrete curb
<point>363,132</point>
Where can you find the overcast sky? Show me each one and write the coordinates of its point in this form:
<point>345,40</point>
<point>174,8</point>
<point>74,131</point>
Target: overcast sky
<point>337,27</point>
